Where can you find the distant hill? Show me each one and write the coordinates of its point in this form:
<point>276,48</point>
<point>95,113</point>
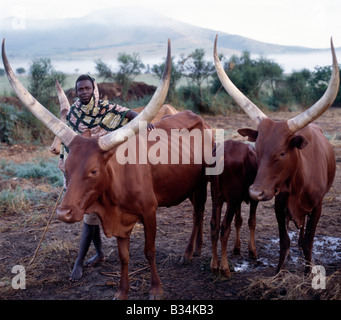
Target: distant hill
<point>105,33</point>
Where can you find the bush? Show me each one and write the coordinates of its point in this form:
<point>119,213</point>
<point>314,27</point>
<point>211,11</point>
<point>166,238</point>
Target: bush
<point>42,81</point>
<point>8,119</point>
<point>21,125</point>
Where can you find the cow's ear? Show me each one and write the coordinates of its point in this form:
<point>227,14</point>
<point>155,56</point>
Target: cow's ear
<point>250,133</point>
<point>108,155</point>
<point>298,142</point>
<point>86,133</point>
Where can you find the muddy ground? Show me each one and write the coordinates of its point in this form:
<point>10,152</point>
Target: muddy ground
<point>47,277</point>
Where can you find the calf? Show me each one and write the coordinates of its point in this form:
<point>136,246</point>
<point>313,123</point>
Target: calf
<point>231,186</point>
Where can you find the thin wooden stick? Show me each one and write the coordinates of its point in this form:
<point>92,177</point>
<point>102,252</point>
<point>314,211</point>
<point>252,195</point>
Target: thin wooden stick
<point>117,274</point>
<point>47,226</point>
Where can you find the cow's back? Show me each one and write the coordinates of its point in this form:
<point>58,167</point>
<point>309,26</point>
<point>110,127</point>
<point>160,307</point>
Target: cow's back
<point>174,181</point>
<point>154,173</point>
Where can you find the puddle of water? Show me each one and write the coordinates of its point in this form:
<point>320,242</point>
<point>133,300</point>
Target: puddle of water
<point>326,250</point>
<point>241,266</point>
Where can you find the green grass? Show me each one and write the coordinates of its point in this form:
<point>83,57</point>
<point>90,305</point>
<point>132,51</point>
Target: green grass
<point>20,199</point>
<point>20,196</point>
<point>5,87</point>
<point>41,169</point>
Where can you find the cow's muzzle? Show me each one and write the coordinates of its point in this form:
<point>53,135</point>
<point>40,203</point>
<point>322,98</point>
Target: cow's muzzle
<point>67,215</point>
<point>260,194</point>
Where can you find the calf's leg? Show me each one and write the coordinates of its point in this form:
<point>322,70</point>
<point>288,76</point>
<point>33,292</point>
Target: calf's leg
<point>238,221</point>
<point>307,242</point>
<point>215,226</point>
<point>225,233</point>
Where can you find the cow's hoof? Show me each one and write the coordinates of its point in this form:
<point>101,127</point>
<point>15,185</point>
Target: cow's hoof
<point>156,297</point>
<point>225,273</point>
<point>215,270</point>
<point>185,261</point>
<point>252,255</point>
<point>120,296</point>
<point>197,253</point>
<point>236,251</point>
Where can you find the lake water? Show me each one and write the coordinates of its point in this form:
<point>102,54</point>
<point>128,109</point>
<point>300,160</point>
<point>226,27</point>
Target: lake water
<point>296,62</point>
<point>289,62</point>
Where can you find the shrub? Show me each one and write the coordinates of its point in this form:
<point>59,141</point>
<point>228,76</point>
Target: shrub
<point>8,119</point>
<point>20,125</point>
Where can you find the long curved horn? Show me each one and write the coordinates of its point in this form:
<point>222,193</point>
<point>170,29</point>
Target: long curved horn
<point>63,102</point>
<point>250,108</point>
<point>116,137</point>
<point>60,129</point>
<point>321,105</point>
<point>64,110</point>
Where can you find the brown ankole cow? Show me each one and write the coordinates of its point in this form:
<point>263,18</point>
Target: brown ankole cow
<point>125,193</point>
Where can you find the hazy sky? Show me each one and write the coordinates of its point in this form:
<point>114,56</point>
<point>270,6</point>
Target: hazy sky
<point>308,23</point>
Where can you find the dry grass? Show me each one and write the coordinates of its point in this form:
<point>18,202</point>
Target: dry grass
<point>290,286</point>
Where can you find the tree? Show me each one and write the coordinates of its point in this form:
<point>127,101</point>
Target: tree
<point>176,74</point>
<point>42,80</point>
<point>309,86</point>
<point>20,70</point>
<point>129,67</point>
<point>256,78</point>
<point>198,70</point>
<point>104,70</point>
<point>318,81</point>
<point>298,87</point>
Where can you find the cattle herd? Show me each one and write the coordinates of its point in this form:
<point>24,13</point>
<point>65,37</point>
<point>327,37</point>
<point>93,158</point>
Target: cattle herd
<point>171,165</point>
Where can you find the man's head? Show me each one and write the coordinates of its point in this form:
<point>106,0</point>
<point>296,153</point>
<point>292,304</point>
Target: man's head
<point>84,88</point>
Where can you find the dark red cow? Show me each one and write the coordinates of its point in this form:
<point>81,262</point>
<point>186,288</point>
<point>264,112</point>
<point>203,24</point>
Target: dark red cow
<point>232,187</point>
<point>296,163</point>
<point>123,194</point>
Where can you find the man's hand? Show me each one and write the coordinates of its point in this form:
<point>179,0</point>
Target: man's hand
<point>150,127</point>
<point>132,114</point>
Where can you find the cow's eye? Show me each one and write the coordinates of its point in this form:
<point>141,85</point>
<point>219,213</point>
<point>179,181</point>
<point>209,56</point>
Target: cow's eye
<point>93,172</point>
<point>282,154</point>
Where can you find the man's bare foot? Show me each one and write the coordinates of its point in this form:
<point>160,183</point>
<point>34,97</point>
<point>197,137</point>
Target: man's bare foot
<point>76,273</point>
<point>94,260</point>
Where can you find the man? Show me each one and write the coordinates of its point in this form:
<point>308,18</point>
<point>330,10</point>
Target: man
<point>100,117</point>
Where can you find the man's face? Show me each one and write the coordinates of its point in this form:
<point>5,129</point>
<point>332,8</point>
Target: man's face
<point>84,91</point>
